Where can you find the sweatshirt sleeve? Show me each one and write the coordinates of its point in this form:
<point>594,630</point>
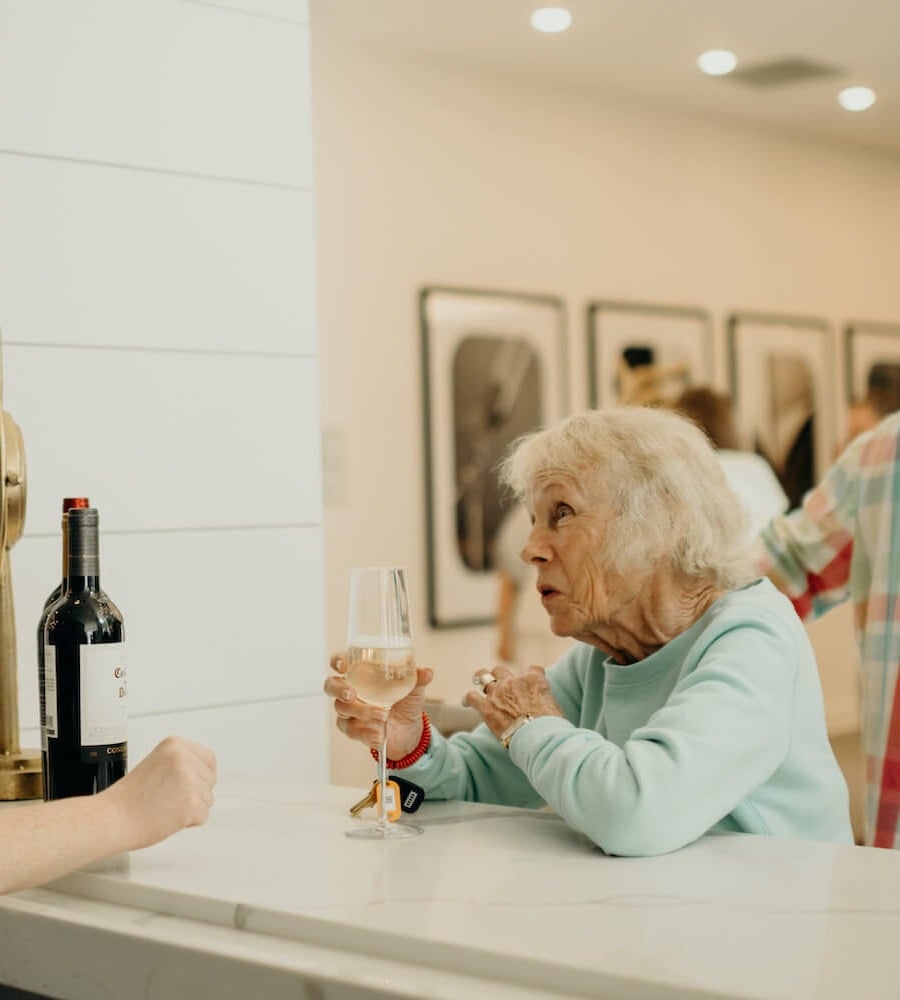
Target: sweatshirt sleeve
<point>476,767</point>
<point>723,732</point>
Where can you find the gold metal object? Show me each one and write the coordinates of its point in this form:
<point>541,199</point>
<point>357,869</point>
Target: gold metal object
<point>20,770</point>
<point>511,730</point>
<point>20,776</point>
<point>370,799</point>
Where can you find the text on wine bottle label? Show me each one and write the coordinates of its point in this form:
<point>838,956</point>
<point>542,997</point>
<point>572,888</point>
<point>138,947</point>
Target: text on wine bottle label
<point>103,693</point>
<point>48,699</point>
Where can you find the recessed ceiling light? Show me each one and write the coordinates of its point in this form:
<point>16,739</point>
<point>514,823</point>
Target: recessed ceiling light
<point>856,98</point>
<point>717,62</point>
<point>551,19</point>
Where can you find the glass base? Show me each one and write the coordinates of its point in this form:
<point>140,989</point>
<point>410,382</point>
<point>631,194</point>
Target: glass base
<point>390,831</point>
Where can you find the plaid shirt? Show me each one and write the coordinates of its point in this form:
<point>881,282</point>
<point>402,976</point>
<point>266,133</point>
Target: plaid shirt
<point>845,542</point>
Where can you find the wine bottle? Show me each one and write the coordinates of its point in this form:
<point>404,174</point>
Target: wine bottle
<point>67,504</point>
<point>83,725</point>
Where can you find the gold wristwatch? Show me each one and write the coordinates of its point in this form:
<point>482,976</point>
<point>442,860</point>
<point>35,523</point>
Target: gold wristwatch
<point>513,728</point>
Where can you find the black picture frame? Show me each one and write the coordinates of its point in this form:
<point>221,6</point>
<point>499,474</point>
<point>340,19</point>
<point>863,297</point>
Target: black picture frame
<point>781,374</point>
<point>494,366</point>
<point>629,341</point>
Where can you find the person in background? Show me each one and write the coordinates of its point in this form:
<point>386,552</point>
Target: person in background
<point>844,544</point>
<point>689,701</point>
<point>642,381</point>
<point>882,398</point>
<point>171,788</point>
<point>748,474</point>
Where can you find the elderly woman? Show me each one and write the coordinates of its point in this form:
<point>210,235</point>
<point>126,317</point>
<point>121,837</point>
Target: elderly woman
<point>690,701</point>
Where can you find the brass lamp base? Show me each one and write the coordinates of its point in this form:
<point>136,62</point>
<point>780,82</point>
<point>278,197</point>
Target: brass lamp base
<point>20,776</point>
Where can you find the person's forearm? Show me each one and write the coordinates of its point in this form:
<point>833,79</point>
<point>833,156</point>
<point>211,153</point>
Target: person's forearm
<point>44,841</point>
<point>505,606</point>
<point>809,566</point>
<point>474,767</point>
<point>807,552</point>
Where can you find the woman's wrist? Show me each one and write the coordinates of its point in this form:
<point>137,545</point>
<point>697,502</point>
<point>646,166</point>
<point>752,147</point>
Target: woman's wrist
<point>116,822</point>
<point>406,743</point>
<point>418,751</point>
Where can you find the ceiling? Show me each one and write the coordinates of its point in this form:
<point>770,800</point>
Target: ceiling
<point>646,50</point>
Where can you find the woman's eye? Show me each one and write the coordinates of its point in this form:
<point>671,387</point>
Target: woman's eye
<point>562,510</point>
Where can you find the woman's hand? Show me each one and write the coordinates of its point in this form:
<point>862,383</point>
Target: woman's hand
<point>363,722</point>
<point>171,788</point>
<point>511,696</point>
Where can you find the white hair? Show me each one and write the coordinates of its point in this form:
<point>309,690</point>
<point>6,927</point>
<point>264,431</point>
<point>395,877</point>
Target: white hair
<point>658,475</point>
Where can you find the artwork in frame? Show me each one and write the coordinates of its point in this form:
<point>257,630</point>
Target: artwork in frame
<point>872,356</point>
<point>782,386</point>
<point>640,352</point>
<point>494,368</point>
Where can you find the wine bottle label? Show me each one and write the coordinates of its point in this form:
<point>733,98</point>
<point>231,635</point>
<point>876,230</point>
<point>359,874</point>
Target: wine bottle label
<point>103,694</point>
<point>48,696</point>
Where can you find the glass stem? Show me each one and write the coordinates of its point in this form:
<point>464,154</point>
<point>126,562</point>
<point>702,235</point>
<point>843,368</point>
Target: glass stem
<point>382,777</point>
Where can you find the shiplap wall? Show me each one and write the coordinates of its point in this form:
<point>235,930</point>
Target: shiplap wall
<point>160,354</point>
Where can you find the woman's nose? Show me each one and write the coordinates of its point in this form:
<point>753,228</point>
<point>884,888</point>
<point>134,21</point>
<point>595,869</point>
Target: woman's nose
<point>535,549</point>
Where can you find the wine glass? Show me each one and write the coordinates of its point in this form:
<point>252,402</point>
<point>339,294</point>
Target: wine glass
<point>381,667</point>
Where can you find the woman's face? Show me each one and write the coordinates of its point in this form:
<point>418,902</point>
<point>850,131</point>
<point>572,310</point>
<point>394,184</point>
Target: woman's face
<point>566,546</point>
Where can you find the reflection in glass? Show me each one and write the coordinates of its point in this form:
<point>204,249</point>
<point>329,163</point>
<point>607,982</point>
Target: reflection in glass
<point>785,425</point>
<point>496,398</point>
<point>642,379</point>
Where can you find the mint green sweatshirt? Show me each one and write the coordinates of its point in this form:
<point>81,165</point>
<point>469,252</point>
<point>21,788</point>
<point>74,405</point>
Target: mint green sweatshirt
<point>723,728</point>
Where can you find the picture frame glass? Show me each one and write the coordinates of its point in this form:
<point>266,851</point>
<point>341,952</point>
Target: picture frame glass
<point>641,353</point>
<point>869,347</point>
<point>781,384</point>
<point>494,369</point>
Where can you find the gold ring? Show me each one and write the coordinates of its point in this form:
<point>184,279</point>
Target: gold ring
<point>484,678</point>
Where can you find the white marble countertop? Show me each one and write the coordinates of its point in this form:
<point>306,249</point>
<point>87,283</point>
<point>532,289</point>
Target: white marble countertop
<point>489,902</point>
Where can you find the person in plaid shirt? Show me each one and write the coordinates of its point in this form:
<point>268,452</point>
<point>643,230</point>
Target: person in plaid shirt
<point>844,543</point>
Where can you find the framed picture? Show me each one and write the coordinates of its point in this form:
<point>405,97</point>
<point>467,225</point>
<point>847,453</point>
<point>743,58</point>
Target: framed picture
<point>781,375</point>
<point>494,367</point>
<point>641,353</point>
<point>872,357</point>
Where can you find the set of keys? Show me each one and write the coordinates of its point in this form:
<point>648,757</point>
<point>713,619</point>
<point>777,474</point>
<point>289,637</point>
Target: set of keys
<point>400,796</point>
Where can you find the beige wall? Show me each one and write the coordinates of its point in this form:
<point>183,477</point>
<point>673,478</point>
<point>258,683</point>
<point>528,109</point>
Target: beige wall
<point>434,173</point>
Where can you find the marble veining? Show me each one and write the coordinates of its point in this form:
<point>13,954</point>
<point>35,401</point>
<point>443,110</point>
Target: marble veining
<point>518,900</point>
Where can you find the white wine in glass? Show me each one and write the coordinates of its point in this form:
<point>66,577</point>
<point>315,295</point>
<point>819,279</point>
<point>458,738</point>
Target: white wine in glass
<point>382,675</point>
<point>381,668</point>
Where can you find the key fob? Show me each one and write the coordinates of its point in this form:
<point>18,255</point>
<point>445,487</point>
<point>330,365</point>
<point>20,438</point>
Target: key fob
<point>391,797</point>
<point>411,796</point>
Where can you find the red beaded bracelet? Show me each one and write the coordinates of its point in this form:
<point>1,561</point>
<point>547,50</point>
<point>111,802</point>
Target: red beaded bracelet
<point>413,755</point>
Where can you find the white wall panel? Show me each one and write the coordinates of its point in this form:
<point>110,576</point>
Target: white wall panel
<point>211,618</point>
<point>165,85</point>
<point>167,440</point>
<point>288,10</point>
<point>272,741</point>
<point>103,256</point>
<point>157,307</point>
